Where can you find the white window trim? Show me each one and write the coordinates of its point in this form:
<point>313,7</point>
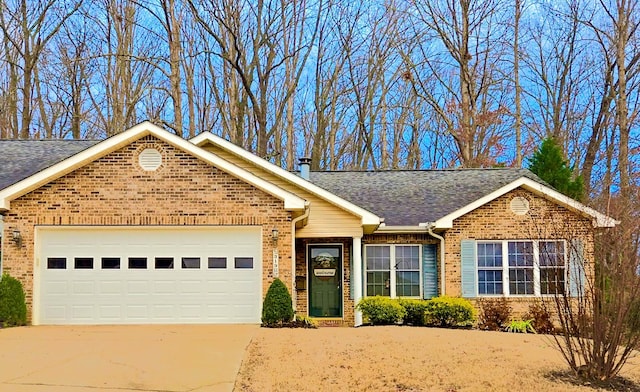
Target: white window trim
<point>505,268</point>
<point>392,269</point>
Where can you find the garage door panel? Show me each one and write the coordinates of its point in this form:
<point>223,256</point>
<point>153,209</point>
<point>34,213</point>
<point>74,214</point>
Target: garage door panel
<point>164,287</point>
<point>137,312</point>
<point>105,290</point>
<point>195,288</point>
<point>163,311</point>
<point>110,312</point>
<point>138,287</point>
<point>56,312</point>
<point>83,288</point>
<point>82,312</point>
<point>55,287</point>
<point>110,287</point>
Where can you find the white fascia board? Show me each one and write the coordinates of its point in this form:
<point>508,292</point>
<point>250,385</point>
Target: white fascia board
<point>599,219</point>
<point>367,217</point>
<point>400,229</point>
<point>291,202</point>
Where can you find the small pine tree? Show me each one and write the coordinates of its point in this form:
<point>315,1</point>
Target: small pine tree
<point>277,308</point>
<point>13,308</point>
<point>548,163</point>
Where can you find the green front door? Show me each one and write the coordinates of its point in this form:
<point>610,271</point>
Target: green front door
<point>325,280</point>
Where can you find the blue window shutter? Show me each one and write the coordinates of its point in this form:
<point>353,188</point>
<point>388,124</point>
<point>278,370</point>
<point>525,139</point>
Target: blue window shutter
<point>468,268</point>
<point>576,274</point>
<point>429,271</point>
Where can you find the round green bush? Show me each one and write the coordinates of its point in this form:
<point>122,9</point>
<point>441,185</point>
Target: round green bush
<point>13,308</point>
<point>449,312</point>
<point>414,311</point>
<point>381,310</point>
<point>277,308</point>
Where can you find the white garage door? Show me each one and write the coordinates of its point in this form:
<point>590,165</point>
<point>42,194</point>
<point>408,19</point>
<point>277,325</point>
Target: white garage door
<point>149,275</point>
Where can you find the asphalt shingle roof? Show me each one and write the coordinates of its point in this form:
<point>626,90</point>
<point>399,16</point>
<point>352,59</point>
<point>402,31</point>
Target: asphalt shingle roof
<point>20,159</point>
<point>410,197</point>
<point>401,197</point>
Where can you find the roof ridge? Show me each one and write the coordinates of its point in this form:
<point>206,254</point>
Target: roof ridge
<point>422,170</point>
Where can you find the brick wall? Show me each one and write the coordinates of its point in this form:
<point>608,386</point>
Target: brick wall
<point>496,221</point>
<point>114,190</point>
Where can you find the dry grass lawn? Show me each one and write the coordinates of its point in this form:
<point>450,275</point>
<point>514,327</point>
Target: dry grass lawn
<point>398,358</point>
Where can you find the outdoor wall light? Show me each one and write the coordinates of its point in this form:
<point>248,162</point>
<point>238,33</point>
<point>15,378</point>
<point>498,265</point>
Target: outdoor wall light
<point>17,238</point>
<point>274,235</point>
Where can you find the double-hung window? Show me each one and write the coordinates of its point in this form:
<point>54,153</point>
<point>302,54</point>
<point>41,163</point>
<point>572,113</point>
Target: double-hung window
<point>393,270</point>
<point>521,267</point>
<point>552,267</point>
<point>490,268</point>
<point>520,256</point>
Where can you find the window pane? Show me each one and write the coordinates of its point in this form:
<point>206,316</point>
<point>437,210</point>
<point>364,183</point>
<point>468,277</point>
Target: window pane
<point>407,257</point>
<point>217,262</point>
<point>490,282</point>
<point>378,283</point>
<point>407,284</point>
<point>520,254</point>
<point>137,262</point>
<point>521,281</point>
<point>378,257</point>
<point>56,263</point>
<point>552,280</point>
<point>164,262</point>
<point>490,254</point>
<point>83,263</point>
<point>243,262</point>
<point>110,263</point>
<point>190,262</point>
<point>552,253</point>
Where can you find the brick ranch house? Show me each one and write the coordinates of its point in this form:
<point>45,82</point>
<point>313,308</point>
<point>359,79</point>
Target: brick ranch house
<point>146,227</point>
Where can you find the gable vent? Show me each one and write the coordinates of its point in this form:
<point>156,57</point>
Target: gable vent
<point>519,205</point>
<point>150,159</point>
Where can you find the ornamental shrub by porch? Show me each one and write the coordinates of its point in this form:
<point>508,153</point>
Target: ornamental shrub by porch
<point>414,311</point>
<point>381,310</point>
<point>449,312</point>
<point>13,308</point>
<point>277,309</point>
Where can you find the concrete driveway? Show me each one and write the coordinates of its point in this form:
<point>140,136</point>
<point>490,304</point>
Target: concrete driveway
<point>195,358</point>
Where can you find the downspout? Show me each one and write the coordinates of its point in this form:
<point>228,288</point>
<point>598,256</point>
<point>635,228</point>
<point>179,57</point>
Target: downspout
<point>294,292</point>
<point>429,227</point>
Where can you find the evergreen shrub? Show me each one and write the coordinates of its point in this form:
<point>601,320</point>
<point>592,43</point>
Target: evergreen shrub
<point>449,312</point>
<point>414,311</point>
<point>381,310</point>
<point>13,307</point>
<point>277,309</point>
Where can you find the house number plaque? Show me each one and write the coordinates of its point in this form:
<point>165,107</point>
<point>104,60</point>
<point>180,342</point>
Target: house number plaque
<point>276,267</point>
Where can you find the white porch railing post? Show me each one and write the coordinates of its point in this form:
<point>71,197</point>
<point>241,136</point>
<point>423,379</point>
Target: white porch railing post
<point>357,277</point>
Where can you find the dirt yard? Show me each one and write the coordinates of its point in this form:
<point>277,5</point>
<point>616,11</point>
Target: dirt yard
<point>406,359</point>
